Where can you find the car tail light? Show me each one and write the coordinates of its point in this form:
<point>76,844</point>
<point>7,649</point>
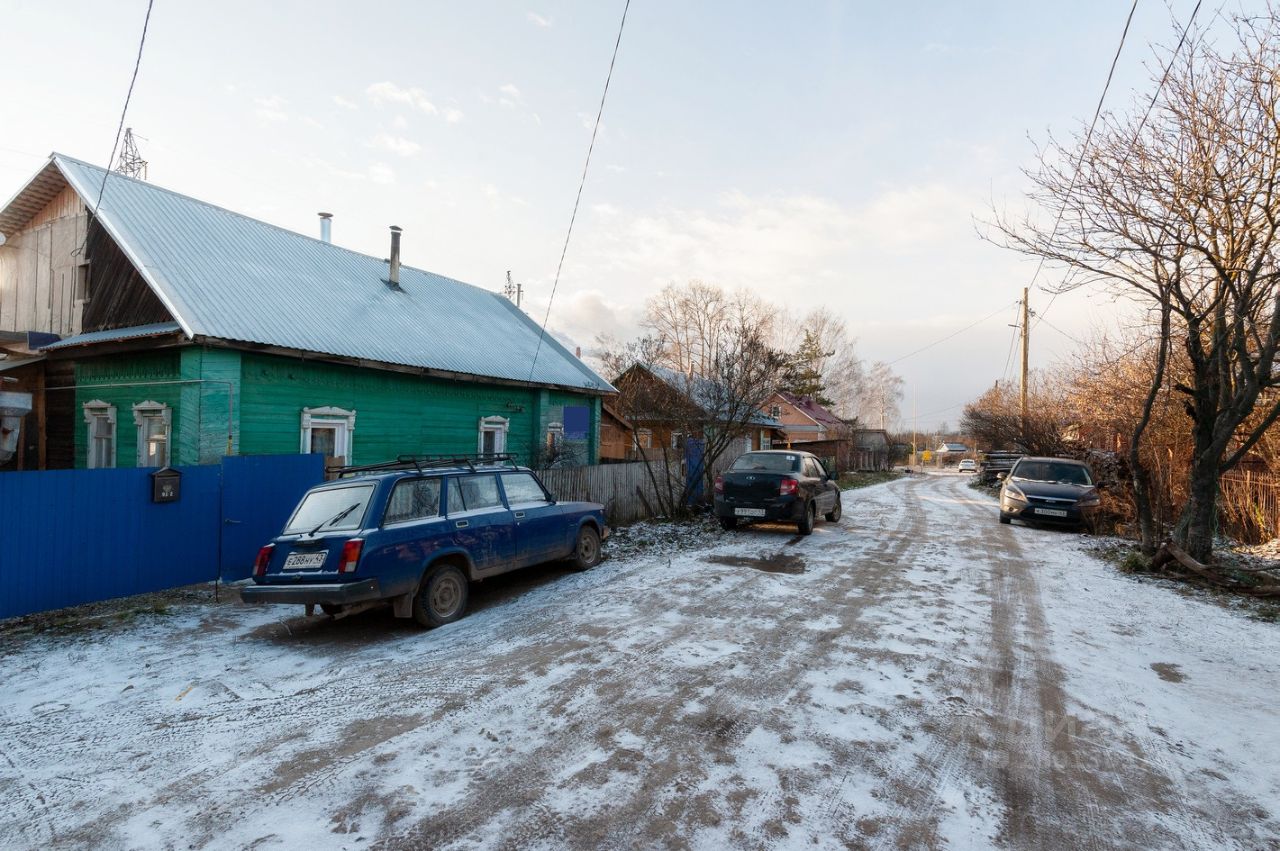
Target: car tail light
<point>719,484</point>
<point>788,487</point>
<point>263,559</point>
<point>350,555</point>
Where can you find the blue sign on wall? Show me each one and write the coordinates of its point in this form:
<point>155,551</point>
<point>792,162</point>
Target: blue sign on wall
<point>577,422</point>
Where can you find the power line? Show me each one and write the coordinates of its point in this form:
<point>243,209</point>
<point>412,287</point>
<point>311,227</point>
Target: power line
<point>1164,78</point>
<point>137,62</point>
<point>1087,138</point>
<point>1013,342</point>
<point>948,337</point>
<point>581,183</point>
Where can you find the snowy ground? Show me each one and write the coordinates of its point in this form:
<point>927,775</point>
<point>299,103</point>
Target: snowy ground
<point>917,676</point>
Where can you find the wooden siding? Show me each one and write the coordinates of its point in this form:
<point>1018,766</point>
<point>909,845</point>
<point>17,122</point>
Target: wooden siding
<point>118,296</point>
<point>395,413</point>
<point>38,268</point>
<point>139,371</point>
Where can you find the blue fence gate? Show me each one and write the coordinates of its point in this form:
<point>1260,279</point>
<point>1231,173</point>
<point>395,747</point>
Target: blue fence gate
<point>77,536</point>
<point>258,494</point>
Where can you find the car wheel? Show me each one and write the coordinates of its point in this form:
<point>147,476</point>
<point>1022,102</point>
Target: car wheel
<point>441,598</point>
<point>1005,518</point>
<point>728,523</point>
<point>586,552</point>
<point>833,516</point>
<point>806,525</point>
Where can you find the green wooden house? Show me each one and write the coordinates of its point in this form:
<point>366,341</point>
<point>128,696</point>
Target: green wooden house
<point>188,332</point>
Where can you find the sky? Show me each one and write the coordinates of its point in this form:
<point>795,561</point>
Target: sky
<point>825,155</point>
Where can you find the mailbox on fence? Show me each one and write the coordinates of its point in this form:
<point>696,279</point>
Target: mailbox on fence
<point>166,485</point>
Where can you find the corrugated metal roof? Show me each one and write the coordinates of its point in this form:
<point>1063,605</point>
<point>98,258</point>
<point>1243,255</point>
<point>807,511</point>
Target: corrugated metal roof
<point>228,276</point>
<point>157,329</point>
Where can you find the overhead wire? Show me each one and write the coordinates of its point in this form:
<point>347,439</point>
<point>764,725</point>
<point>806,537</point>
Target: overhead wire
<point>948,337</point>
<point>137,63</point>
<point>1164,78</point>
<point>1075,174</point>
<point>581,183</point>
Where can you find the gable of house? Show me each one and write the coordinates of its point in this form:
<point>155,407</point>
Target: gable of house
<point>224,277</point>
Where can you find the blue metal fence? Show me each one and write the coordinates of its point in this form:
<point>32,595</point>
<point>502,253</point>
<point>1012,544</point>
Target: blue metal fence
<point>77,536</point>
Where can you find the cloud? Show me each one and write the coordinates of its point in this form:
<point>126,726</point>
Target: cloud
<point>388,92</point>
<point>490,190</point>
<point>271,108</point>
<point>345,103</point>
<point>397,145</point>
<point>382,173</point>
<point>604,209</point>
<point>538,20</point>
<point>452,115</point>
<point>400,122</point>
<point>510,91</point>
<point>331,169</point>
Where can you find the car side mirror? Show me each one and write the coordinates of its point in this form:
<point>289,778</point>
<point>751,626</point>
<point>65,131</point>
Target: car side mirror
<point>1000,477</point>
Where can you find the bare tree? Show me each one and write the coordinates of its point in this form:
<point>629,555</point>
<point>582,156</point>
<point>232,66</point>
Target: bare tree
<point>880,397</point>
<point>706,371</point>
<point>1179,209</point>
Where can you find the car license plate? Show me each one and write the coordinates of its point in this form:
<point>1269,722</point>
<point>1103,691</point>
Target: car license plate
<point>1051,512</point>
<point>749,512</point>
<point>304,561</point>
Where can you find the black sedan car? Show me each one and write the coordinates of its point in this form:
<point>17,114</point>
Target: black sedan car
<point>777,485</point>
<point>1049,490</point>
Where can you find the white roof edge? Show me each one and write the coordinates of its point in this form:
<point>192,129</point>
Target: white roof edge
<point>165,299</point>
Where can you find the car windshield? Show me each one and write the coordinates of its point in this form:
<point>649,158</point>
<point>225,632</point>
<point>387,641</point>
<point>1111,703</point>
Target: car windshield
<point>1052,471</point>
<point>767,462</point>
<point>331,509</point>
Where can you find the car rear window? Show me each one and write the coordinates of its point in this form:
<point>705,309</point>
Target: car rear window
<point>522,489</point>
<point>1052,471</point>
<point>331,509</point>
<point>476,492</point>
<point>768,463</point>
<point>413,499</point>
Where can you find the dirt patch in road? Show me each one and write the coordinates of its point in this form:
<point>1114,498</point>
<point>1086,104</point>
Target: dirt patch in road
<point>776,563</point>
<point>1168,672</point>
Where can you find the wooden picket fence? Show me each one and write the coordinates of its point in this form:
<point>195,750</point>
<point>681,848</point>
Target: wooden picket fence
<point>625,490</point>
<point>1249,506</point>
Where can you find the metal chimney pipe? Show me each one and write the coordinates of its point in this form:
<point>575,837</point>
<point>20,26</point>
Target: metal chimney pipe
<point>395,256</point>
<point>326,231</point>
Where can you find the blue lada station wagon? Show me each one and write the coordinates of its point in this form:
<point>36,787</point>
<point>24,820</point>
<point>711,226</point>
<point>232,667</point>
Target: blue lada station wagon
<point>416,532</point>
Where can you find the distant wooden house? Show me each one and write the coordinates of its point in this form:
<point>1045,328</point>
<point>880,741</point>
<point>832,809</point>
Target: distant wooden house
<point>617,435</point>
<point>165,330</point>
<point>664,408</point>
<point>804,420</point>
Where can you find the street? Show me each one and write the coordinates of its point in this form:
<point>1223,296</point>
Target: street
<point>916,676</point>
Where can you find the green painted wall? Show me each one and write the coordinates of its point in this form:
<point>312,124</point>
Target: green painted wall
<point>137,371</point>
<point>396,413</point>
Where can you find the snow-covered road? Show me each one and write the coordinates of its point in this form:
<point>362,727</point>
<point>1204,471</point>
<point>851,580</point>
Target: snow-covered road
<point>917,676</point>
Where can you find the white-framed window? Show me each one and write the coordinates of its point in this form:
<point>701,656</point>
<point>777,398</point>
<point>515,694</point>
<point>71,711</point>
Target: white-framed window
<point>677,440</point>
<point>555,436</point>
<point>775,412</point>
<point>101,419</point>
<point>328,431</point>
<point>155,423</point>
<point>493,435</point>
<point>644,438</point>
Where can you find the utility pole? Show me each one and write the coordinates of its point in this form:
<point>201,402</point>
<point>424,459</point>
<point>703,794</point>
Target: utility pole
<point>1026,346</point>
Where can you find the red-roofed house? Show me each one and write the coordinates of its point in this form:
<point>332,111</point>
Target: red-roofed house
<point>804,420</point>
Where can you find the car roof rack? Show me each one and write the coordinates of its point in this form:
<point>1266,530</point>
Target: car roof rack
<point>422,463</point>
